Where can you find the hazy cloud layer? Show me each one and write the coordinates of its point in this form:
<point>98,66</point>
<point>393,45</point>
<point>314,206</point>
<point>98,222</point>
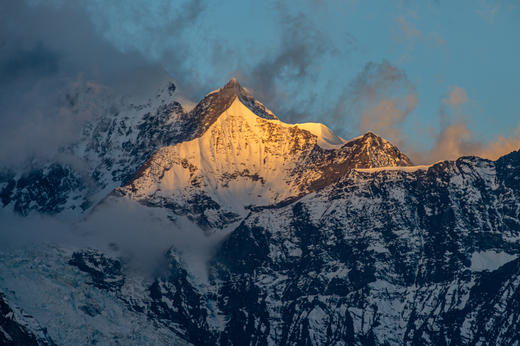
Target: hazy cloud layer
<point>55,74</point>
<point>122,228</point>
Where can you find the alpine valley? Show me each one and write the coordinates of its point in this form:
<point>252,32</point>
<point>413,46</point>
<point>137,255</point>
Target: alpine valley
<point>223,225</point>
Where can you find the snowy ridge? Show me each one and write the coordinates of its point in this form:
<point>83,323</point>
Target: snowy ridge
<point>326,138</point>
<point>393,168</point>
<point>240,160</point>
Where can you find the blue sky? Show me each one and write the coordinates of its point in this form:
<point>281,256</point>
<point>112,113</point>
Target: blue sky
<point>418,73</point>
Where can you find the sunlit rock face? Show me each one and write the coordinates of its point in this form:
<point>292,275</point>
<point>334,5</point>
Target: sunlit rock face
<point>243,158</point>
<point>298,237</point>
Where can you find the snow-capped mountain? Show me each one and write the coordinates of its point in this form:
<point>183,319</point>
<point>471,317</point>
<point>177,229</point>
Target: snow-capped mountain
<point>275,234</point>
<point>243,157</point>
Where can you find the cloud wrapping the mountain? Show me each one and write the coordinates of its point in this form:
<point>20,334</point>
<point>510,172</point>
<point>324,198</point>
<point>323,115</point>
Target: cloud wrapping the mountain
<point>44,65</point>
<point>121,228</point>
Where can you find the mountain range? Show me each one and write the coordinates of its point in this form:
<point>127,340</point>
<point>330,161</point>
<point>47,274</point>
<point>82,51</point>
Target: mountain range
<point>258,232</point>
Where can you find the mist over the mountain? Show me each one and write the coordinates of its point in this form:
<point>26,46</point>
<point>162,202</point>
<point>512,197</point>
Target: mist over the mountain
<point>122,229</point>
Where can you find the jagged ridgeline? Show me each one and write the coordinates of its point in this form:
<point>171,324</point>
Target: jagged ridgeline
<point>228,127</point>
<point>313,239</point>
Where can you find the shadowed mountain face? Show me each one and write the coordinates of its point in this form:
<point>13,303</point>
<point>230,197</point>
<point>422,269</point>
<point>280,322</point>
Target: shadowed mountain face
<point>311,239</point>
<point>394,256</point>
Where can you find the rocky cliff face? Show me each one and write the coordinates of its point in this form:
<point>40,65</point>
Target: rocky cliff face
<point>390,256</point>
<point>316,241</point>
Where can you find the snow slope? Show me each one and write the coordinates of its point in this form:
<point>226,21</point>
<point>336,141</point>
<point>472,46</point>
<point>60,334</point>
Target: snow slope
<point>325,137</point>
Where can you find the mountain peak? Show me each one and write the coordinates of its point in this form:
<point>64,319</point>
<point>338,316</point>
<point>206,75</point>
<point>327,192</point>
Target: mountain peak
<point>374,151</point>
<point>216,102</point>
<point>231,90</point>
<point>372,137</point>
<point>232,83</point>
<point>233,87</point>
<point>370,134</point>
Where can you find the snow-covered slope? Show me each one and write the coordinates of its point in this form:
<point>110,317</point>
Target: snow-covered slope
<point>383,257</point>
<point>326,138</point>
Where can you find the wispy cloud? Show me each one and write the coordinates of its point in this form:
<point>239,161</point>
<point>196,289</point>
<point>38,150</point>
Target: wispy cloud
<point>489,11</point>
<point>452,142</point>
<point>408,35</point>
<point>296,61</point>
<point>457,97</point>
<point>379,99</point>
<point>456,139</point>
<point>502,145</point>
